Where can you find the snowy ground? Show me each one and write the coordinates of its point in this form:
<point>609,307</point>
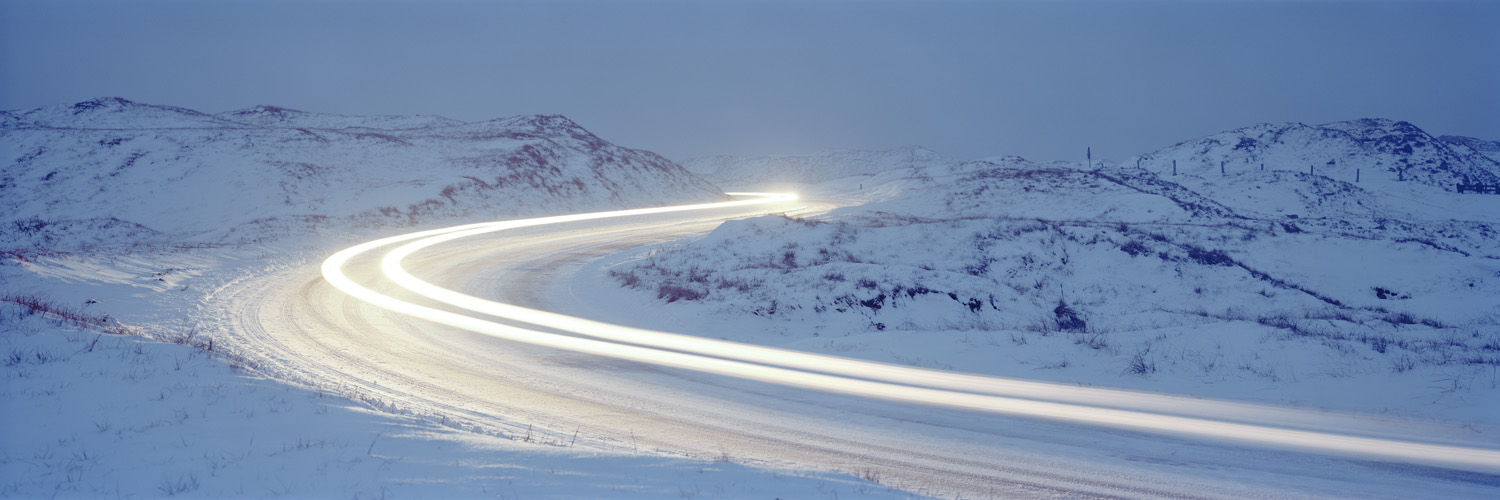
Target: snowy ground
<point>129,216</point>
<point>1373,299</point>
<point>91,413</point>
<point>1277,287</point>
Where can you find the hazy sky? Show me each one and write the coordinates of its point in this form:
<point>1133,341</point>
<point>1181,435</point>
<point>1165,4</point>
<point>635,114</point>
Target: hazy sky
<point>971,79</point>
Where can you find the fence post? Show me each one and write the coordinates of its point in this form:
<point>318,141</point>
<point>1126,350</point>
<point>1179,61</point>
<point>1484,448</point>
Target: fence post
<point>1356,175</point>
<point>1221,167</point>
<point>1174,167</point>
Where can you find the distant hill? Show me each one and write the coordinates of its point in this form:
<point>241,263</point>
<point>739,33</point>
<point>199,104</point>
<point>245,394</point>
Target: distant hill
<point>1370,168</point>
<point>814,168</point>
<point>265,172</point>
<point>1384,151</point>
<point>1481,146</point>
<point>274,116</point>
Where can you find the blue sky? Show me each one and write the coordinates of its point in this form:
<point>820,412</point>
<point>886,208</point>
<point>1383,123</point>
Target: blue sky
<point>970,79</point>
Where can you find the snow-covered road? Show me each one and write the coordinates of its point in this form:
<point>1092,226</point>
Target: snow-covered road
<point>402,342</point>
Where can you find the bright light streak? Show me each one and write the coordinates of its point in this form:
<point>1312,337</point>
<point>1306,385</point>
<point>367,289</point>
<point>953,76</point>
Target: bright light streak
<point>870,379</point>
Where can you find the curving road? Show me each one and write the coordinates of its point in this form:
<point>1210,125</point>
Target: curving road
<point>487,366</point>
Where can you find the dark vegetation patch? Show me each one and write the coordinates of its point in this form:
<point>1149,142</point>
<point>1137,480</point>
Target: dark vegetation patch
<point>1135,248</point>
<point>1387,294</point>
<point>674,293</point>
<point>1068,320</point>
<point>63,314</point>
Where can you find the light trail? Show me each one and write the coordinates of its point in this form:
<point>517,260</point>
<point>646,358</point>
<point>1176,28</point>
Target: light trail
<point>799,360</point>
<point>1102,407</point>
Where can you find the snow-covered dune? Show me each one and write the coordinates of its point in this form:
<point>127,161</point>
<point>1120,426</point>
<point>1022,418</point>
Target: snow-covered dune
<point>260,173</point>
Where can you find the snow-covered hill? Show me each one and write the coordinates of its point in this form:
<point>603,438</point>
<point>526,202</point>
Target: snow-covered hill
<point>1386,153</point>
<point>1246,276</point>
<point>1481,146</point>
<point>275,116</point>
<point>1028,233</point>
<point>249,175</point>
